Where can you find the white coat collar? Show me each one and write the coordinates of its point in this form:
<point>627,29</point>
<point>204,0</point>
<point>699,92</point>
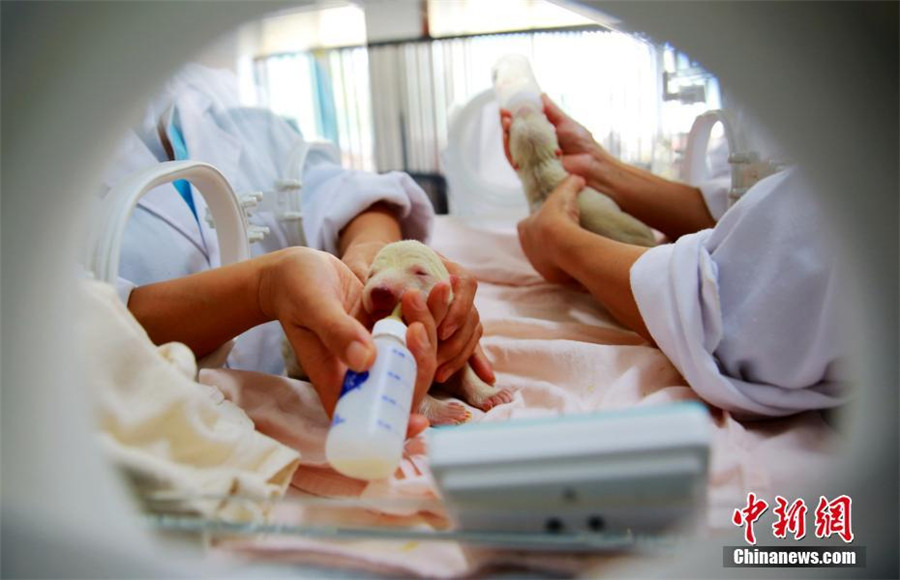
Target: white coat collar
<point>205,140</point>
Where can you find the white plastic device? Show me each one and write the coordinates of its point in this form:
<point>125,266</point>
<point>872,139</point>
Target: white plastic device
<point>747,167</point>
<point>637,470</point>
<point>105,246</point>
<point>480,180</point>
<point>483,188</point>
<point>284,201</point>
<point>288,189</point>
<point>366,437</point>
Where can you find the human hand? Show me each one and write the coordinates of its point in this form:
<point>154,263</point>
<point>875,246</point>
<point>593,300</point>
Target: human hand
<point>574,138</point>
<point>422,318</point>
<point>461,330</point>
<point>318,302</point>
<point>325,322</point>
<point>506,122</point>
<point>579,153</point>
<point>538,231</point>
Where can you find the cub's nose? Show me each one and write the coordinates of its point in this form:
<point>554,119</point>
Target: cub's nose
<point>382,298</point>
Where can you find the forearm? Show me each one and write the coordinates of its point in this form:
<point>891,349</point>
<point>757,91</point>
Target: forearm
<point>377,224</point>
<point>671,207</point>
<point>203,310</point>
<point>603,267</point>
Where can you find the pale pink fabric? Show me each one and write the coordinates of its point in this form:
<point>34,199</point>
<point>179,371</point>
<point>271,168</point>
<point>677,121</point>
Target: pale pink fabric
<point>561,353</point>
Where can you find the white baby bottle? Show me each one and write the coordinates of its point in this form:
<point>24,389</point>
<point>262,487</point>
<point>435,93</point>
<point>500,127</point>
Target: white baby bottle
<point>515,85</point>
<point>369,425</point>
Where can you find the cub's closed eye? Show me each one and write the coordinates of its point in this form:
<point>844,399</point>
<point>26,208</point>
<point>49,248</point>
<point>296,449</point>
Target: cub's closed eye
<point>420,272</point>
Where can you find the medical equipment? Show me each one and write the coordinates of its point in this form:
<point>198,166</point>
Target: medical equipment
<point>281,195</point>
<point>599,496</point>
<point>249,200</point>
<point>369,426</point>
<point>481,182</point>
<point>747,167</point>
<point>226,208</point>
<point>279,177</point>
<point>284,201</point>
<point>613,481</point>
<point>637,470</point>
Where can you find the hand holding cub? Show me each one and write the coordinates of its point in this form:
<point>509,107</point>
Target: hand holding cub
<point>459,332</point>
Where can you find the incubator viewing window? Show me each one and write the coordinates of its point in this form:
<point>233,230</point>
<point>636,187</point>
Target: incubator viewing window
<point>763,321</point>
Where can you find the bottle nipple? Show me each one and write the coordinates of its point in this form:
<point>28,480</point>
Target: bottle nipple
<point>391,325</point>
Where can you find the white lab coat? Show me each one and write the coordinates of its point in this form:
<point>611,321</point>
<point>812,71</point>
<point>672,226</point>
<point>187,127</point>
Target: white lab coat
<point>749,311</point>
<point>163,240</point>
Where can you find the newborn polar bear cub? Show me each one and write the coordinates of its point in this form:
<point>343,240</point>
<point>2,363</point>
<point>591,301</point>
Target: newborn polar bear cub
<point>535,152</point>
<point>407,265</point>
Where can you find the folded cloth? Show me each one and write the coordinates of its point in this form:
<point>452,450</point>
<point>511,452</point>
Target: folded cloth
<point>174,437</point>
<point>752,312</point>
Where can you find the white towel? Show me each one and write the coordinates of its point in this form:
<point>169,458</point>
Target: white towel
<point>170,433</point>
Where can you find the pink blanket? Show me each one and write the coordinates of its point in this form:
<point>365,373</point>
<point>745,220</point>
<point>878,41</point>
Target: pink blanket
<point>561,353</point>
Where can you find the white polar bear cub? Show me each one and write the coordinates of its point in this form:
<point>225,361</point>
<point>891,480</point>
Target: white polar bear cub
<point>409,264</point>
<point>534,148</point>
<point>535,152</point>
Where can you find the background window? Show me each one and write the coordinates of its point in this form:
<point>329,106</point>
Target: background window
<point>387,104</point>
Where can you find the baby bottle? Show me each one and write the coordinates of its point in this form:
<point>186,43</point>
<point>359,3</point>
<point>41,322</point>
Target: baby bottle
<point>369,426</point>
<point>515,85</point>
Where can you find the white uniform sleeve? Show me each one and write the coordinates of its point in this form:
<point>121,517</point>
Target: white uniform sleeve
<point>124,288</point>
<point>749,311</point>
<point>333,196</point>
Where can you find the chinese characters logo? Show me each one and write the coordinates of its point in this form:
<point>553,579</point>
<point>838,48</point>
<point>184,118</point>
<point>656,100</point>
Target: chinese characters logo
<point>831,517</point>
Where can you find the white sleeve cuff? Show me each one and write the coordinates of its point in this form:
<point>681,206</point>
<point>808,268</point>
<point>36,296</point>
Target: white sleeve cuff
<point>333,197</point>
<point>677,291</point>
<point>124,288</point>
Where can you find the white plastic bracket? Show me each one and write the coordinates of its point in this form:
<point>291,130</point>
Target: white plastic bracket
<point>288,185</point>
<point>250,200</point>
<point>105,245</point>
<point>257,233</point>
<point>746,166</point>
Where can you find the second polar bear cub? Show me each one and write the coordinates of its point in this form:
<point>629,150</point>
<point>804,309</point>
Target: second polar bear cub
<point>536,155</point>
<point>409,264</point>
<point>535,151</point>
